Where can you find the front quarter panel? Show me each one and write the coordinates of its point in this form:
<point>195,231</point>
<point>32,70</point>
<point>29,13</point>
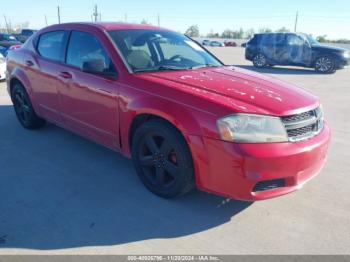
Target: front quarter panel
<point>193,123</point>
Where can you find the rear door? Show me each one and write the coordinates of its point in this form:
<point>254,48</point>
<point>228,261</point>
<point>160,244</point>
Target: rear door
<point>280,50</point>
<point>89,101</point>
<point>45,71</point>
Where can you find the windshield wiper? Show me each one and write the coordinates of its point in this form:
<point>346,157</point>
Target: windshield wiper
<point>204,66</point>
<point>174,68</point>
<point>162,68</point>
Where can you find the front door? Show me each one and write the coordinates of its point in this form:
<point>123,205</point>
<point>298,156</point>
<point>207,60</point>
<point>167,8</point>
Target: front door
<point>89,102</point>
<point>299,51</point>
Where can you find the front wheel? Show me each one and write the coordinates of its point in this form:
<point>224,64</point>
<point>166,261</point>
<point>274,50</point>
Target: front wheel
<point>325,65</point>
<point>162,159</point>
<point>260,61</point>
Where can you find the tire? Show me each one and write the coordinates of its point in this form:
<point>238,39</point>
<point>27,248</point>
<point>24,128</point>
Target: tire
<point>162,159</point>
<point>325,65</point>
<point>260,61</point>
<point>24,109</point>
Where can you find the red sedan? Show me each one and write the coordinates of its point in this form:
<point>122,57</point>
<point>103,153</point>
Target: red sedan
<point>185,118</point>
<point>230,43</point>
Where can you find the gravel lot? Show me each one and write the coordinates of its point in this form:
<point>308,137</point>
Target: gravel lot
<point>61,194</point>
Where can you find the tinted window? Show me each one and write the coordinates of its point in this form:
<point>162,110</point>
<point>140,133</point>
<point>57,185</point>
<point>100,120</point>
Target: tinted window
<point>295,40</point>
<point>84,47</point>
<point>50,45</point>
<point>27,32</point>
<point>267,39</point>
<point>279,39</point>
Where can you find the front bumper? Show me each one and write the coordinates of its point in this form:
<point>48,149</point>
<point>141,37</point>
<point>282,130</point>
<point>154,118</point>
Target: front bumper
<point>342,63</point>
<point>234,170</point>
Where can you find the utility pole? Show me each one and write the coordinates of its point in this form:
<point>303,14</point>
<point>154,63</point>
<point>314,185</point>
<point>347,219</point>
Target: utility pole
<point>46,20</point>
<point>158,20</point>
<point>95,14</point>
<point>59,14</point>
<point>7,25</point>
<point>296,22</point>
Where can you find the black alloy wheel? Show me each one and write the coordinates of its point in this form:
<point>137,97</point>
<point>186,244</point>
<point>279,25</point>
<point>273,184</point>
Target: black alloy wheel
<point>162,159</point>
<point>24,109</point>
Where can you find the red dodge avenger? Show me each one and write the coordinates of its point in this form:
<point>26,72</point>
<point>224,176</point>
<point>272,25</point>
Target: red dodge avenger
<point>186,119</point>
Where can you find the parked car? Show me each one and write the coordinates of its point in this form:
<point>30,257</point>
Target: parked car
<point>3,51</point>
<point>206,42</point>
<point>7,40</point>
<point>184,117</point>
<point>25,34</point>
<point>2,67</point>
<point>295,50</point>
<point>230,43</point>
<point>14,47</point>
<point>244,45</point>
<point>216,44</point>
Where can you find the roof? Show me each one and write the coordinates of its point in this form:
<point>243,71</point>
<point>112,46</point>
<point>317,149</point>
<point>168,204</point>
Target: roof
<point>114,26</point>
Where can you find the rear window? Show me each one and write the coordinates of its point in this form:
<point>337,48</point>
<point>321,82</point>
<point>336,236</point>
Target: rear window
<point>253,41</point>
<point>50,45</point>
<point>27,32</point>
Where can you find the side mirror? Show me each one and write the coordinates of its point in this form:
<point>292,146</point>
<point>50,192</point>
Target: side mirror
<point>97,67</point>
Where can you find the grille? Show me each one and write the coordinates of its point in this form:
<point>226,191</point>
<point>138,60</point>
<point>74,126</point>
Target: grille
<point>297,118</point>
<point>269,185</point>
<point>304,126</point>
<point>301,131</point>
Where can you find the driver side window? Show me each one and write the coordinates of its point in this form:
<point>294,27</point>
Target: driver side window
<point>84,47</point>
<point>294,40</point>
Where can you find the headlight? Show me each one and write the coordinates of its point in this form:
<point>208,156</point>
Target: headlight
<point>346,55</point>
<point>246,128</point>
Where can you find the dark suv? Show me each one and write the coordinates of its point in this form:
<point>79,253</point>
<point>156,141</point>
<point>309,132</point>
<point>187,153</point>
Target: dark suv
<point>295,49</point>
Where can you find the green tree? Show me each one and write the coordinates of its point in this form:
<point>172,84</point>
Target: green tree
<point>249,33</point>
<point>322,38</point>
<point>283,30</point>
<point>145,22</point>
<point>193,31</point>
<point>265,30</point>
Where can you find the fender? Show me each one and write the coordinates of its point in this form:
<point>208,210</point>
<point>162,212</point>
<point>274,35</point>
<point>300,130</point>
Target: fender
<point>184,118</point>
<point>19,74</point>
<point>181,117</point>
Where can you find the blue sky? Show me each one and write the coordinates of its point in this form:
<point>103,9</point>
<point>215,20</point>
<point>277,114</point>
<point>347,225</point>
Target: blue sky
<point>331,18</point>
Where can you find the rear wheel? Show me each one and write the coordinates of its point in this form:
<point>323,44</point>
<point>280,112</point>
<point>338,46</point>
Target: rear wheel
<point>325,65</point>
<point>259,60</point>
<point>24,109</point>
<point>162,159</point>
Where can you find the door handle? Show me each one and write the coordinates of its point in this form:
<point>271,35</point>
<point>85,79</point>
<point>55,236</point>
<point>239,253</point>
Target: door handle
<point>65,75</point>
<point>29,63</point>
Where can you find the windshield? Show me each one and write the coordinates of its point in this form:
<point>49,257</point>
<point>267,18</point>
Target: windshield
<point>156,50</point>
<point>310,39</point>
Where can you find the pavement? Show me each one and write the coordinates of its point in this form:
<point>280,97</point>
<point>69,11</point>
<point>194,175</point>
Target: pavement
<point>62,194</point>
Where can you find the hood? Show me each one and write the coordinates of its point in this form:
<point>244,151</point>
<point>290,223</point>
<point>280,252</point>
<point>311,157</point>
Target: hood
<point>242,90</point>
<point>329,48</point>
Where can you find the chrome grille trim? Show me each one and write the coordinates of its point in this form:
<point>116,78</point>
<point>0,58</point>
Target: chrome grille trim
<point>304,126</point>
